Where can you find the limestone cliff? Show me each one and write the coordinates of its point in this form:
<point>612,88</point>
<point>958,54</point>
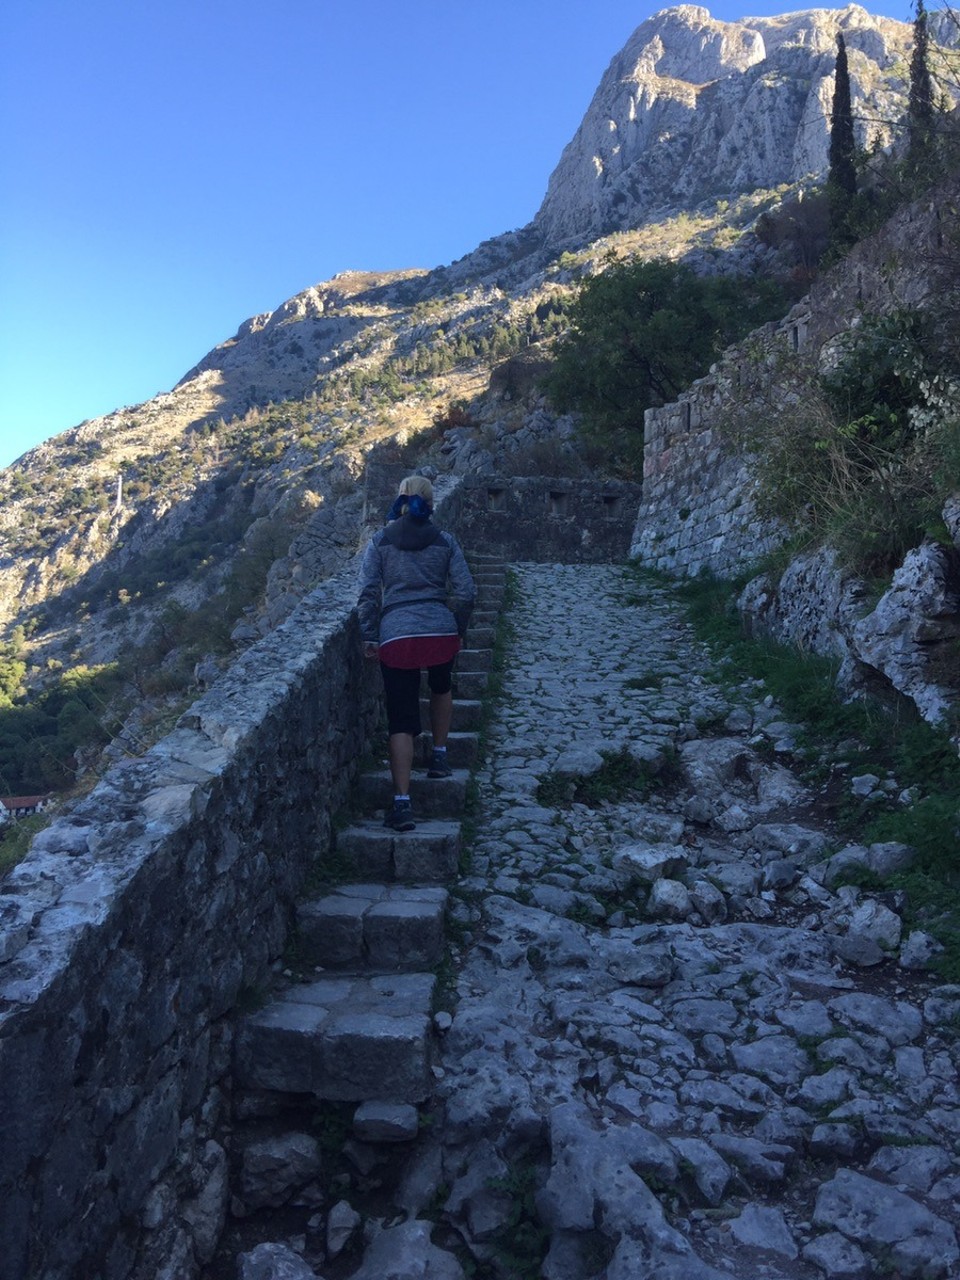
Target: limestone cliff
<point>693,109</point>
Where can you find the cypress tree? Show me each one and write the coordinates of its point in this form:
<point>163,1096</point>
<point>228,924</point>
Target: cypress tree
<point>920,108</point>
<point>842,176</point>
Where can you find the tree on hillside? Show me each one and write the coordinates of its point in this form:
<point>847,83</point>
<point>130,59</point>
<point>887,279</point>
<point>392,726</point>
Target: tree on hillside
<point>640,332</point>
<point>920,105</point>
<point>842,177</point>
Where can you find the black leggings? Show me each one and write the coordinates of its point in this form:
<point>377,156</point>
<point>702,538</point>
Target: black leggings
<point>402,688</point>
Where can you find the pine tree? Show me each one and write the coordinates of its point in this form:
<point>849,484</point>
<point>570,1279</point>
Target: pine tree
<point>920,106</point>
<point>842,176</point>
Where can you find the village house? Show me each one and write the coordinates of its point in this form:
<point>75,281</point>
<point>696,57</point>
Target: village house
<point>21,806</point>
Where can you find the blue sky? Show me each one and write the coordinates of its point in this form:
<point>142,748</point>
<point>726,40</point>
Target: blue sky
<point>171,167</point>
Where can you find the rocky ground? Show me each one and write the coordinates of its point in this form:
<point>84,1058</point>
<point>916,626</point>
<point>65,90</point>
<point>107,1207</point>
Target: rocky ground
<point>701,1058</point>
<point>677,1046</point>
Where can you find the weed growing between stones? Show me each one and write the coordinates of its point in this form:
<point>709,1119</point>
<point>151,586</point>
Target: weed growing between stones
<point>332,1126</point>
<point>647,680</point>
<point>521,1244</point>
<point>862,737</point>
<point>621,776</point>
<point>445,987</point>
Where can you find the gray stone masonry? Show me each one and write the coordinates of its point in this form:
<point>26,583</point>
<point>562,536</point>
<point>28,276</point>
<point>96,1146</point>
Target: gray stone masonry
<point>137,922</point>
<point>141,919</point>
<point>528,517</point>
<point>353,1038</point>
<point>697,507</point>
<point>427,854</point>
<point>389,927</point>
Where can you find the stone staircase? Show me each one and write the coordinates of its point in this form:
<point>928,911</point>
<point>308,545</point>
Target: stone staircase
<point>361,1029</point>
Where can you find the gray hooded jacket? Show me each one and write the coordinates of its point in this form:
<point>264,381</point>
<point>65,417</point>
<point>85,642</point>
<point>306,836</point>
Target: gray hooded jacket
<point>414,581</point>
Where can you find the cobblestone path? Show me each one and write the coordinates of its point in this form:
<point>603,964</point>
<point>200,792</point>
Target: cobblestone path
<point>672,1054</point>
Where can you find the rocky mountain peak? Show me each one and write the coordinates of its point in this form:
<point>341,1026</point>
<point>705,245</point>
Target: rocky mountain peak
<point>686,43</point>
<point>694,109</point>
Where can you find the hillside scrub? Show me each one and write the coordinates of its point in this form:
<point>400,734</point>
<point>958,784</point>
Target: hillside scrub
<point>863,454</point>
<point>642,331</point>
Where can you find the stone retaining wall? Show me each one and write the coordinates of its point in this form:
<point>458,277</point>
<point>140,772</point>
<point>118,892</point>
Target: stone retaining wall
<point>133,930</point>
<point>697,509</point>
<point>548,520</point>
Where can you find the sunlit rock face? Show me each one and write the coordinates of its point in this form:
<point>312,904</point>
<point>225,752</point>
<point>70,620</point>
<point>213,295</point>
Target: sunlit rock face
<point>693,109</point>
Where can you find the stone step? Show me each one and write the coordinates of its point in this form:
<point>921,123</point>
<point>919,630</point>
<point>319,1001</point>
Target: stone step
<point>469,684</point>
<point>342,1039</point>
<point>462,750</point>
<point>429,853</point>
<point>430,797</point>
<point>388,928</point>
<point>467,713</point>
<point>474,659</point>
<point>480,637</point>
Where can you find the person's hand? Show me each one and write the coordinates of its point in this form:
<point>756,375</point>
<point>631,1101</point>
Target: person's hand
<point>371,649</point>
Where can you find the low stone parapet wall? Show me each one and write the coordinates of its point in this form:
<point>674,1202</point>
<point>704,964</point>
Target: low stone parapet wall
<point>133,930</point>
<point>548,520</point>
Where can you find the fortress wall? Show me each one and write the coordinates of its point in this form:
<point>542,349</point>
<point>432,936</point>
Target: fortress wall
<point>697,509</point>
<point>548,520</point>
<point>137,925</point>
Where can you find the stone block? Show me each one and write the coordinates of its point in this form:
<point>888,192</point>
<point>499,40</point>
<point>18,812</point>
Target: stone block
<point>366,848</point>
<point>374,1055</point>
<point>331,930</point>
<point>279,1048</point>
<point>467,714</point>
<point>430,797</point>
<point>428,853</point>
<point>342,1039</point>
<point>386,1122</point>
<point>462,750</point>
<point>475,659</point>
<point>469,684</point>
<point>406,932</point>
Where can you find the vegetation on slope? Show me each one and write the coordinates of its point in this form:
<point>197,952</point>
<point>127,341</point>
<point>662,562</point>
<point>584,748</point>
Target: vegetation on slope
<point>863,454</point>
<point>642,331</point>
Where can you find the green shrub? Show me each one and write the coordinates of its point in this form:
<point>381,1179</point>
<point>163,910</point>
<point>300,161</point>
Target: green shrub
<point>862,456</point>
<point>641,332</point>
<point>620,776</point>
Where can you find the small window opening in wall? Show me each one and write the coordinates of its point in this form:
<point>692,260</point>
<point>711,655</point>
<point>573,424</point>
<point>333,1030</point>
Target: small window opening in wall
<point>611,502</point>
<point>496,499</point>
<point>795,337</point>
<point>558,503</point>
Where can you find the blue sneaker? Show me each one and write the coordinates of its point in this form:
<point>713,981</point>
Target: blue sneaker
<point>400,817</point>
<point>438,767</point>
